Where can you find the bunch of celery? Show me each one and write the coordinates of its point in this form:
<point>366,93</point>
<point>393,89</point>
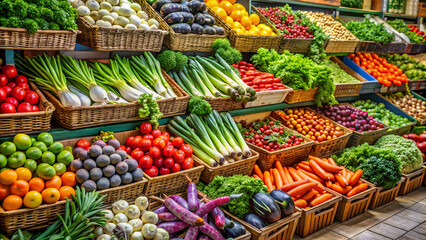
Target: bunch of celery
<point>215,138</point>
<point>205,77</point>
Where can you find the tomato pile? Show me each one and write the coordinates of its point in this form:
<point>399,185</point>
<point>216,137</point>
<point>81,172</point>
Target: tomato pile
<point>259,81</point>
<point>157,153</point>
<point>310,124</point>
<point>384,72</point>
<point>15,93</point>
<point>286,23</point>
<point>269,135</point>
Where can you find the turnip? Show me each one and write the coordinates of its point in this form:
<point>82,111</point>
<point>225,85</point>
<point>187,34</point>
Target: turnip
<point>131,27</point>
<point>90,20</point>
<point>104,237</point>
<point>120,218</point>
<point>109,215</point>
<point>98,231</point>
<point>149,231</point>
<point>107,6</point>
<point>126,227</point>
<point>133,212</point>
<point>142,15</point>
<point>113,2</point>
<point>95,15</point>
<point>136,236</point>
<point>83,11</point>
<point>142,202</point>
<point>92,5</point>
<point>77,3</point>
<point>109,228</point>
<point>149,217</point>
<point>136,224</point>
<point>119,206</point>
<point>125,11</point>
<point>161,234</point>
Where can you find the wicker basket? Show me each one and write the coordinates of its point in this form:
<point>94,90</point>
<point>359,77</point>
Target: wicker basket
<point>224,104</point>
<point>295,45</point>
<point>287,156</point>
<point>318,217</point>
<point>401,130</point>
<point>82,117</point>
<point>301,96</point>
<point>19,38</point>
<point>114,39</point>
<point>181,42</point>
<point>334,46</point>
<point>269,97</point>
<point>244,167</point>
<point>347,89</point>
<point>367,46</point>
<point>249,43</point>
<point>381,197</point>
<point>413,181</point>
<point>29,123</point>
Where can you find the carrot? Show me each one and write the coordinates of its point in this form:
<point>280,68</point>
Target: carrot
<point>306,168</point>
<point>360,188</point>
<point>272,176</point>
<point>280,171</point>
<point>258,171</point>
<point>307,208</point>
<point>267,180</point>
<point>331,176</point>
<point>332,162</point>
<point>277,177</point>
<point>288,176</point>
<point>336,187</point>
<point>343,172</point>
<point>289,186</point>
<point>321,199</point>
<point>294,175</point>
<point>300,203</point>
<point>304,163</point>
<point>348,176</point>
<point>318,170</point>
<point>314,158</point>
<point>328,167</point>
<point>308,195</point>
<point>302,189</point>
<point>320,188</point>
<point>255,176</point>
<point>328,183</point>
<point>342,181</point>
<point>311,175</point>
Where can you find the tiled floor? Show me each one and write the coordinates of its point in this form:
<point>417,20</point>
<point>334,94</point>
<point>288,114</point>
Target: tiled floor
<point>404,218</point>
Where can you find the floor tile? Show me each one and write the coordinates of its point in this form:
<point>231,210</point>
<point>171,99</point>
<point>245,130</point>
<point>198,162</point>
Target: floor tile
<point>412,235</point>
<point>405,202</point>
<point>369,235</point>
<point>401,222</point>
<point>331,235</point>
<point>412,215</point>
<point>380,214</point>
<point>417,195</point>
<point>355,226</point>
<point>419,207</point>
<point>392,208</point>
<point>421,228</point>
<point>387,230</point>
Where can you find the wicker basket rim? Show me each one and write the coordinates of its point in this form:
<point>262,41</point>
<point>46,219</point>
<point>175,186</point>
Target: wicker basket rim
<point>118,30</point>
<point>194,169</point>
<point>41,31</point>
<point>335,198</point>
<point>219,167</point>
<point>415,172</point>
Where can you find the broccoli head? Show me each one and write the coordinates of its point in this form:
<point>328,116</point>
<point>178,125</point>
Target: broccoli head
<point>199,106</point>
<point>167,60</point>
<point>220,43</point>
<point>222,47</point>
<point>181,61</point>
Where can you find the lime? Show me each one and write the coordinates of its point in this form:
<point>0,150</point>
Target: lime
<point>56,147</point>
<point>3,161</point>
<point>7,148</point>
<point>40,145</point>
<point>33,153</point>
<point>31,165</point>
<point>65,157</point>
<point>16,160</point>
<point>48,157</point>
<point>33,140</point>
<point>46,138</point>
<point>22,141</point>
<point>60,168</point>
<point>45,171</point>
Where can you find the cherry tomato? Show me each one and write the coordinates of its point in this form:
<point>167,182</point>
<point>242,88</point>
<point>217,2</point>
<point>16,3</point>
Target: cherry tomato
<point>18,93</point>
<point>169,162</point>
<point>7,108</point>
<point>23,85</point>
<point>187,149</point>
<point>176,168</point>
<point>159,161</point>
<point>158,142</point>
<point>83,143</point>
<point>11,84</point>
<point>3,95</point>
<point>156,133</point>
<point>31,97</point>
<point>128,150</point>
<point>164,171</point>
<point>148,136</point>
<point>177,142</point>
<point>137,154</point>
<point>24,107</point>
<point>152,171</point>
<point>137,142</point>
<point>165,138</point>
<point>166,134</point>
<point>154,152</point>
<point>3,80</point>
<point>129,141</point>
<point>188,163</point>
<point>122,147</point>
<point>168,151</point>
<point>146,128</point>
<point>8,90</point>
<point>145,144</point>
<point>34,108</point>
<point>146,161</point>
<point>9,71</point>
<point>21,79</point>
<point>179,156</point>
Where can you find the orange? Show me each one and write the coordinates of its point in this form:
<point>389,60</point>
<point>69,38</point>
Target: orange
<point>236,15</point>
<point>69,179</point>
<point>50,195</point>
<point>264,33</point>
<point>244,13</point>
<point>8,177</point>
<point>239,31</point>
<point>229,20</point>
<point>236,25</point>
<point>238,6</point>
<point>268,29</point>
<point>220,12</point>
<point>255,19</point>
<point>36,184</point>
<point>66,192</point>
<point>212,3</point>
<point>232,1</point>
<point>227,6</point>
<point>261,26</point>
<point>252,32</point>
<point>12,202</point>
<point>32,199</point>
<point>246,22</point>
<point>4,191</point>
<point>55,182</point>
<point>23,174</point>
<point>20,188</point>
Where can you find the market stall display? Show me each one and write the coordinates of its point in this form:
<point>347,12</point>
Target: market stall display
<point>412,32</point>
<point>408,103</point>
<point>368,30</point>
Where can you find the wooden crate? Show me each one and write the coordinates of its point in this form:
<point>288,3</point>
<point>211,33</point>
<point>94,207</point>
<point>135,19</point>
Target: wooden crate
<point>318,217</point>
<point>269,97</point>
<point>347,89</point>
<point>381,197</point>
<point>287,156</point>
<point>301,96</point>
<point>334,46</point>
<point>413,181</point>
<point>350,207</point>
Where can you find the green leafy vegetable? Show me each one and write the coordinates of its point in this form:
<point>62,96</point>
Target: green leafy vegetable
<point>352,3</point>
<point>370,31</point>
<point>401,27</point>
<point>149,108</point>
<point>199,106</point>
<point>338,75</point>
<point>222,47</point>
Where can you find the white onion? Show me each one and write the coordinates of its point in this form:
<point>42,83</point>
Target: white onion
<point>126,227</point>
<point>136,224</point>
<point>136,236</point>
<point>120,218</point>
<point>98,231</point>
<point>69,99</point>
<point>109,215</point>
<point>107,6</point>
<point>119,206</point>
<point>109,228</point>
<point>104,237</point>
<point>92,5</point>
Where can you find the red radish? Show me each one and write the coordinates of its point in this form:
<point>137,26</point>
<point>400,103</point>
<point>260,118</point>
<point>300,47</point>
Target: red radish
<point>180,200</point>
<point>210,231</point>
<point>12,101</point>
<point>21,79</point>
<point>8,90</point>
<point>192,196</point>
<point>173,227</point>
<point>219,217</point>
<point>18,93</point>
<point>3,80</point>
<point>192,233</point>
<point>7,108</point>
<point>9,71</point>
<point>167,217</point>
<point>31,97</point>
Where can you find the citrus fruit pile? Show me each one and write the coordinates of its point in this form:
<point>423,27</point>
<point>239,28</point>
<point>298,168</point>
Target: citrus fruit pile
<point>238,18</point>
<point>33,171</point>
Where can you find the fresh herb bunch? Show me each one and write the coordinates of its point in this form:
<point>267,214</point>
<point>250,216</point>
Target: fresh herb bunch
<point>36,15</point>
<point>197,105</point>
<point>149,108</point>
<point>401,27</point>
<point>352,3</point>
<point>370,31</point>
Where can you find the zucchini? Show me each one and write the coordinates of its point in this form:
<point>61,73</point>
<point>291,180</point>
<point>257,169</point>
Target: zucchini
<point>209,30</point>
<point>159,3</point>
<point>181,28</point>
<point>175,17</point>
<point>197,28</point>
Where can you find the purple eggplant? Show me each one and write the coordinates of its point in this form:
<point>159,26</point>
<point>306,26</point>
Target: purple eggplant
<point>219,217</point>
<point>173,227</point>
<point>180,200</point>
<point>192,233</point>
<point>192,197</point>
<point>167,217</point>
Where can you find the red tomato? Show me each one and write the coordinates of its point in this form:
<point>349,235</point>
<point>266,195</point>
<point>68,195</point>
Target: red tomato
<point>9,71</point>
<point>166,134</point>
<point>137,154</point>
<point>148,136</point>
<point>122,147</point>
<point>128,150</point>
<point>3,80</point>
<point>156,133</point>
<point>146,128</point>
<point>34,108</point>
<point>129,141</point>
<point>11,84</point>
<point>7,108</point>
<point>159,161</point>
<point>164,171</point>
<point>187,149</point>
<point>23,85</point>
<point>146,161</point>
<point>168,151</point>
<point>8,90</point>
<point>158,142</point>
<point>137,142</point>
<point>31,97</point>
<point>152,171</point>
<point>154,152</point>
<point>169,162</point>
<point>179,156</point>
<point>3,95</point>
<point>177,142</point>
<point>18,93</point>
<point>145,144</point>
<point>176,168</point>
<point>12,101</point>
<point>165,138</point>
<point>83,143</point>
<point>24,107</point>
<point>188,163</point>
<point>21,79</point>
